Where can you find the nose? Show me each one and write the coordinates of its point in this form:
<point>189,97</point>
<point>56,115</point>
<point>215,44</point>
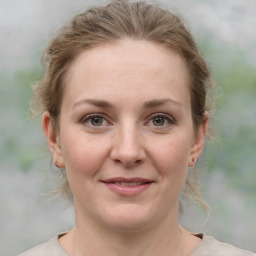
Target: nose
<point>128,146</point>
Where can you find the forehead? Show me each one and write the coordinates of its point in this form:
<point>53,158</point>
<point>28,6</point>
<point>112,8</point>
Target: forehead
<point>140,66</point>
<point>148,54</point>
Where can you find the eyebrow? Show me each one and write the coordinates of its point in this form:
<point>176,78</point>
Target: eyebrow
<point>160,102</point>
<point>106,104</point>
<point>97,103</point>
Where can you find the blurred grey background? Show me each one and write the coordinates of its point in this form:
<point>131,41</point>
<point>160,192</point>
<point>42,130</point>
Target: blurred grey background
<point>225,32</point>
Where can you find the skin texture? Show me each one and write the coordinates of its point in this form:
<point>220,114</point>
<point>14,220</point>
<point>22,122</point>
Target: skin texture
<point>138,94</point>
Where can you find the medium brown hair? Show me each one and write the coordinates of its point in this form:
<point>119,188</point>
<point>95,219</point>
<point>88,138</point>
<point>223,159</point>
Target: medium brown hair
<point>118,20</point>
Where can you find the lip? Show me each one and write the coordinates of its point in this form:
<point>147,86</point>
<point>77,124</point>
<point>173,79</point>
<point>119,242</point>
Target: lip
<point>128,186</point>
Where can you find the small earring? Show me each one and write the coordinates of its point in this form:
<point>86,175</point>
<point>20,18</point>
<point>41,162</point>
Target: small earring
<point>57,164</point>
<point>194,160</point>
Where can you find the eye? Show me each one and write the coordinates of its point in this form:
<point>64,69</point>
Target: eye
<point>160,120</point>
<point>94,120</point>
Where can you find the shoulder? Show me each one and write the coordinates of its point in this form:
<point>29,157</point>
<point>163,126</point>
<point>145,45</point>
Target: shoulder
<point>39,250</point>
<point>210,246</point>
<point>51,247</point>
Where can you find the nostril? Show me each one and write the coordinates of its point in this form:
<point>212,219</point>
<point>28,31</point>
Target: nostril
<point>128,162</point>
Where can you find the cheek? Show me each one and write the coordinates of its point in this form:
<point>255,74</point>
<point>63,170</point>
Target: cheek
<point>171,155</point>
<point>83,155</point>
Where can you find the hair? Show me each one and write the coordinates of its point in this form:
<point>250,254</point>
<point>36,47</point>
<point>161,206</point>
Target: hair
<point>118,20</point>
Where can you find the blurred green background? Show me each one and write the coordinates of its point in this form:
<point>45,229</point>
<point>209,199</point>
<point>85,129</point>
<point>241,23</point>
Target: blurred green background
<point>225,32</point>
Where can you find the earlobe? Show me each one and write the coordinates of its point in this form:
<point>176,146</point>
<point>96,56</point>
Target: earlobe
<point>53,140</point>
<point>197,147</point>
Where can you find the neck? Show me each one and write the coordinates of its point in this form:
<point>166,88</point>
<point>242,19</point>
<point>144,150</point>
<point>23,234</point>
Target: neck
<point>91,239</point>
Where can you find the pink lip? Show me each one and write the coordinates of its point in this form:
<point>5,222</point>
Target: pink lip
<point>128,190</point>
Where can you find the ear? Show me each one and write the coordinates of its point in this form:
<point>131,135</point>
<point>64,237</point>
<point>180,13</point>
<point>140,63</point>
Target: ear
<point>198,145</point>
<point>53,140</point>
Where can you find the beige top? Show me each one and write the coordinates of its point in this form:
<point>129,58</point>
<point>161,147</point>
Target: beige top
<point>209,246</point>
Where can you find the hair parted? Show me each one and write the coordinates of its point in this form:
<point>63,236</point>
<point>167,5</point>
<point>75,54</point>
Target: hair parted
<point>118,20</point>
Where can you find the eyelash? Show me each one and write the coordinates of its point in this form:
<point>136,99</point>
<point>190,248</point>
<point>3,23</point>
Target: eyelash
<point>167,120</point>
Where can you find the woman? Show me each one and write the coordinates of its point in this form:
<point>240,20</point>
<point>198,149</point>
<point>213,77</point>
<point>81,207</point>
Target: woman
<point>125,102</point>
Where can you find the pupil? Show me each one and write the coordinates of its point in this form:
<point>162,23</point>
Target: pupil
<point>97,121</point>
<point>158,121</point>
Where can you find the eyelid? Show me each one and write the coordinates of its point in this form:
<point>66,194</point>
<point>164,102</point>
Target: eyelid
<point>167,116</point>
<point>162,115</point>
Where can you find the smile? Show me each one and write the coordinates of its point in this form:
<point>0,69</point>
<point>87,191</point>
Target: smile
<point>128,187</point>
<point>129,184</point>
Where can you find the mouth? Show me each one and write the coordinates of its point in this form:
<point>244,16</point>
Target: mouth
<point>128,186</point>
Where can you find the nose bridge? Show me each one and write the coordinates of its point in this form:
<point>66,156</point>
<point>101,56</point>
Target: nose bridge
<point>128,147</point>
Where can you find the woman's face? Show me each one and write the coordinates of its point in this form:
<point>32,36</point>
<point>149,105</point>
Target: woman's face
<point>126,135</point>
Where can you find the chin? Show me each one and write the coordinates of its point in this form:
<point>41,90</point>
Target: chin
<point>128,219</point>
